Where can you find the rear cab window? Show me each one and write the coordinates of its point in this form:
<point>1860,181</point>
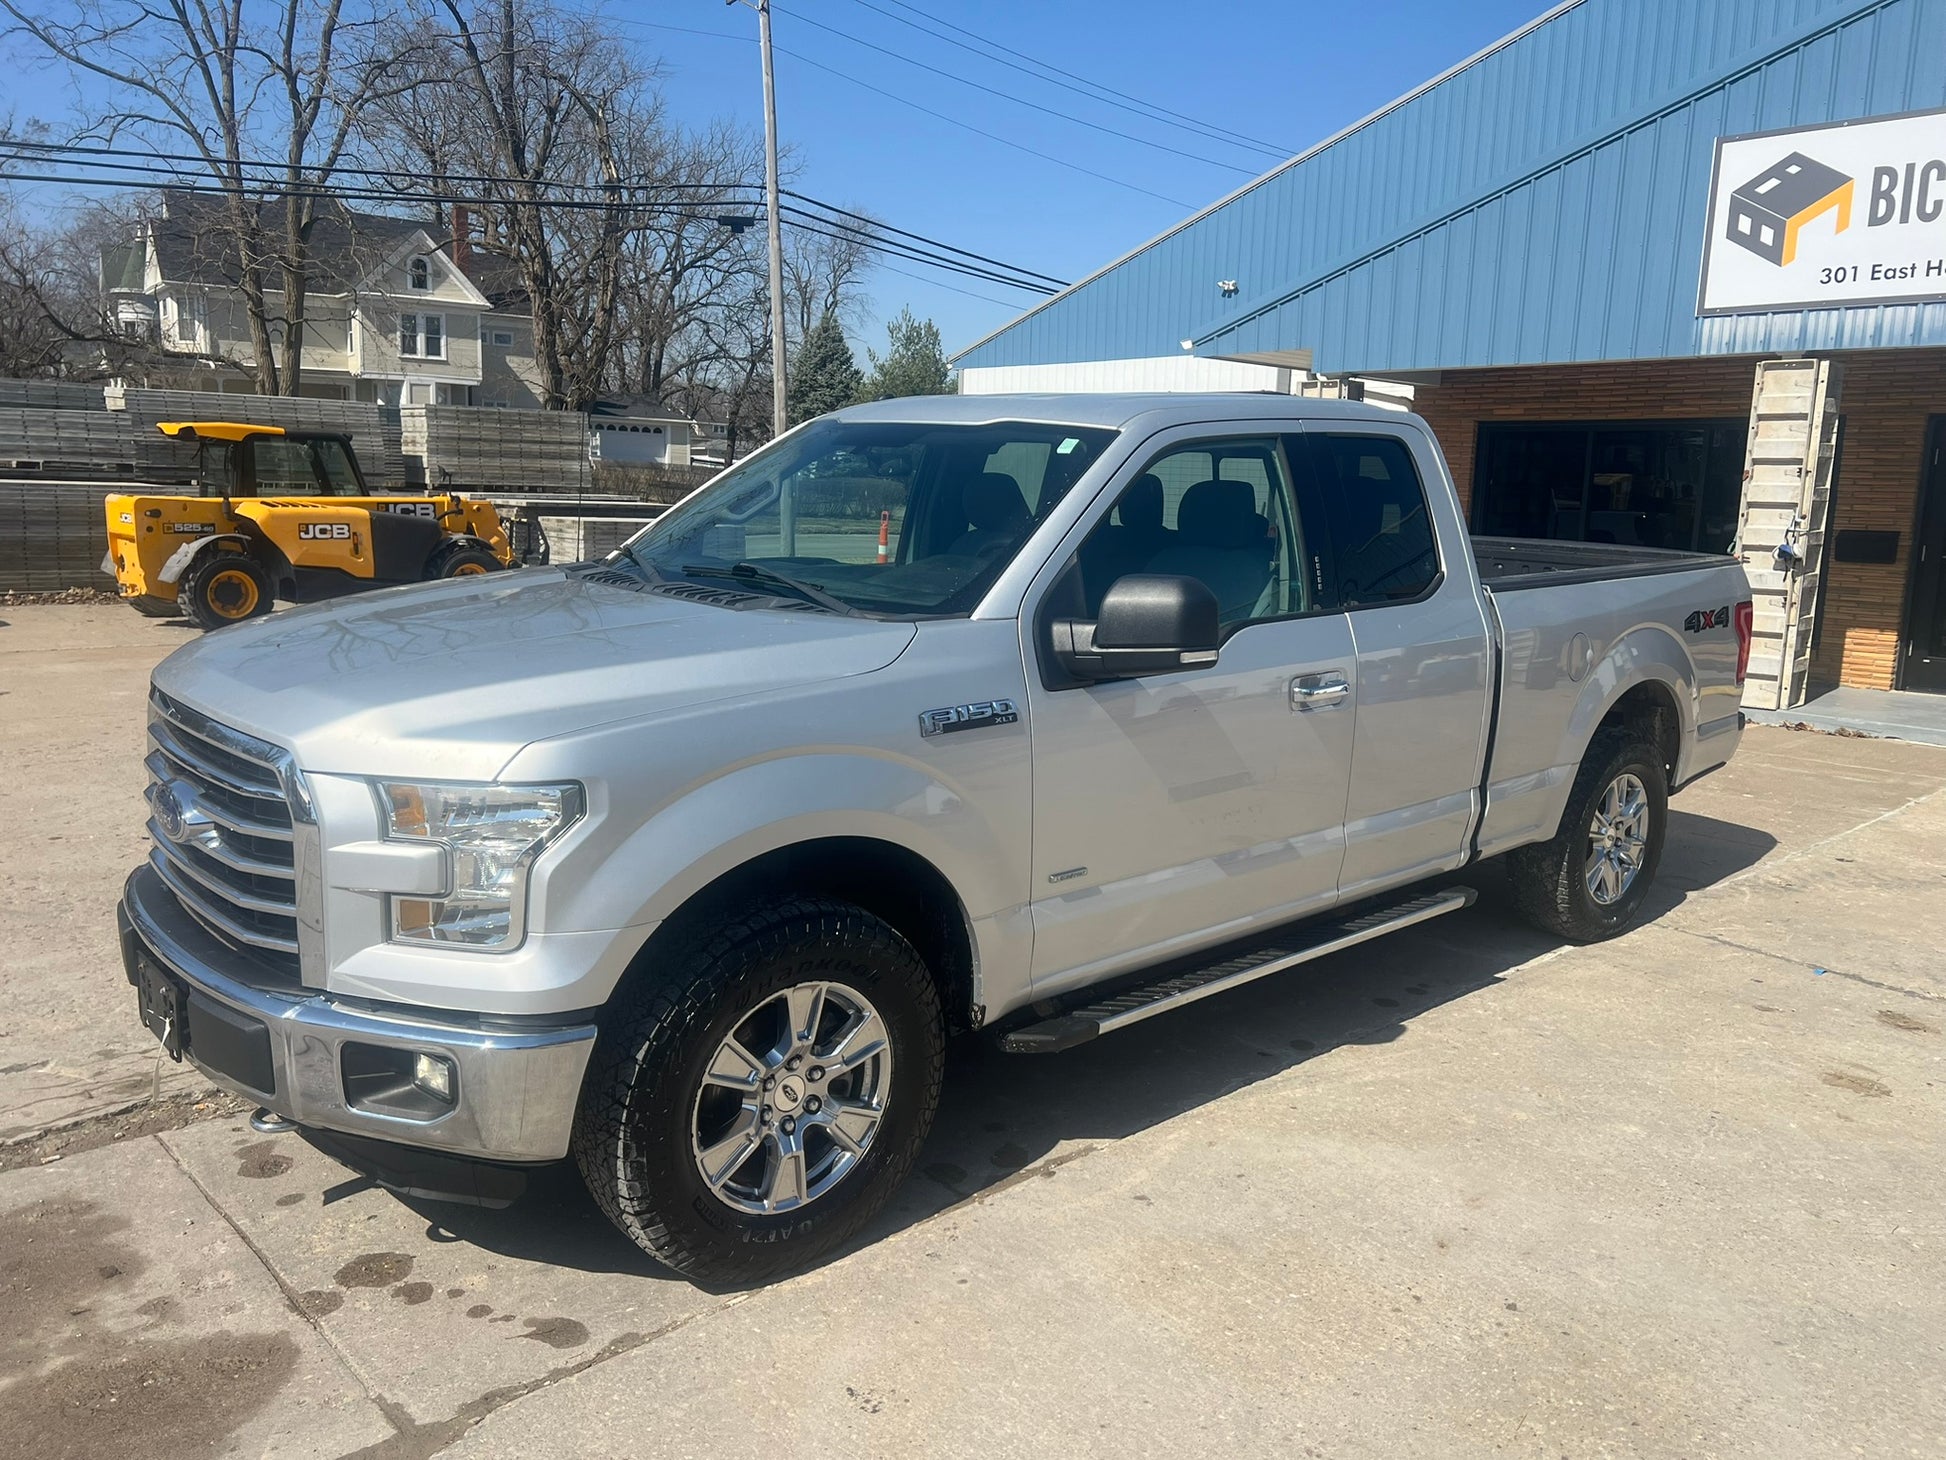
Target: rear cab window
<point>1370,532</point>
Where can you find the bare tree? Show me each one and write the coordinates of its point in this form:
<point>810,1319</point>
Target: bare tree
<point>54,319</point>
<point>262,96</point>
<point>824,273</point>
<point>557,111</point>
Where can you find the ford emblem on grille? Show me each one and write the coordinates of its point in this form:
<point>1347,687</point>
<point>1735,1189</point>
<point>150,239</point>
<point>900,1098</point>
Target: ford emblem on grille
<point>176,811</point>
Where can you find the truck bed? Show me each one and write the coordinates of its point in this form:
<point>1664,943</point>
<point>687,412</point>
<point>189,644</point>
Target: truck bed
<point>1508,564</point>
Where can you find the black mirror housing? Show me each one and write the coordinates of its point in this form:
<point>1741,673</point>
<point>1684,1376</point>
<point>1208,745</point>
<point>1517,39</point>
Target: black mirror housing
<point>1150,623</point>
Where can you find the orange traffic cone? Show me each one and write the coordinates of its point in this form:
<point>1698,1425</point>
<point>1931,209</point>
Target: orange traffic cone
<point>885,537</point>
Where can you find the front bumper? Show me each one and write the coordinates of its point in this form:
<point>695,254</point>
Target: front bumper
<point>517,1082</point>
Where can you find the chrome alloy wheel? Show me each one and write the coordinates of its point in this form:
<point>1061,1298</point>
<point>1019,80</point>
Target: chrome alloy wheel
<point>1617,839</point>
<point>792,1098</point>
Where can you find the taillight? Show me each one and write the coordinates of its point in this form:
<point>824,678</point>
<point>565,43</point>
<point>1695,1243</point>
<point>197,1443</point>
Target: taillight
<point>1745,619</point>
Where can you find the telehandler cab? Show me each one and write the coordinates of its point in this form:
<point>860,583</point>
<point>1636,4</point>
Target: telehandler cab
<point>286,514</point>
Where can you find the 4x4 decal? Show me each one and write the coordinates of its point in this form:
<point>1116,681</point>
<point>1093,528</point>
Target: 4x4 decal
<point>1707,618</point>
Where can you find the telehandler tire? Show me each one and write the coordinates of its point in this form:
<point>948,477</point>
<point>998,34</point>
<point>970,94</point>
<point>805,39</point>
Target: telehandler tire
<point>225,588</point>
<point>462,562</point>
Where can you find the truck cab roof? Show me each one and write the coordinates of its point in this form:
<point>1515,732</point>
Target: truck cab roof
<point>1154,410</point>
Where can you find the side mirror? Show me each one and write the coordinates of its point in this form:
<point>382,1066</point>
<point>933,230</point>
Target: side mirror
<point>1150,623</point>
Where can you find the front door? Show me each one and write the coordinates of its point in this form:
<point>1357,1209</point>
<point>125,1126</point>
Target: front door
<point>1182,809</point>
<point>1925,644</point>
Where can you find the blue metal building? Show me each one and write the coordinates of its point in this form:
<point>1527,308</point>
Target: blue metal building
<point>1573,247</point>
<point>1542,202</point>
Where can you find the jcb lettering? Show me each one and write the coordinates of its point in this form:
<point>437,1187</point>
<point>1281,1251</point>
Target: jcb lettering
<point>315,531</point>
<point>413,509</point>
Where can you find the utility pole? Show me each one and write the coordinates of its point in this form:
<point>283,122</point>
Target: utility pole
<point>773,216</point>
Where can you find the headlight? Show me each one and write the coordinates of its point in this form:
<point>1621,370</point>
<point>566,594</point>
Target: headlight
<point>492,835</point>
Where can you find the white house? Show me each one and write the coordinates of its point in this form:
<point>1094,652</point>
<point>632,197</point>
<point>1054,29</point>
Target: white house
<point>390,316</point>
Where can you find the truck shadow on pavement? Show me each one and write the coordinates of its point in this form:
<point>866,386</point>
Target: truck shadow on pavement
<point>1006,1118</point>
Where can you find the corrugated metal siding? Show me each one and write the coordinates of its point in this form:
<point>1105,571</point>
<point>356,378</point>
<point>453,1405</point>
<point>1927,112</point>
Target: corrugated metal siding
<point>1545,204</point>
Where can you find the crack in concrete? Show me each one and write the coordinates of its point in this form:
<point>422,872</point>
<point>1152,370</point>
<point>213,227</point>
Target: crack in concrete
<point>1772,954</point>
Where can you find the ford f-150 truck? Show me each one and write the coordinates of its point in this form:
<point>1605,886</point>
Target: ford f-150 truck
<point>1042,714</point>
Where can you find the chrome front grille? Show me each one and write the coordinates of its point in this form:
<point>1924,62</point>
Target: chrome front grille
<point>220,818</point>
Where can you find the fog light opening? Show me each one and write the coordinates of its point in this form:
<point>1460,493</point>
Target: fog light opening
<point>434,1074</point>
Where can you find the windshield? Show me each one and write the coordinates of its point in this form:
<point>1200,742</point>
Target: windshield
<point>895,518</point>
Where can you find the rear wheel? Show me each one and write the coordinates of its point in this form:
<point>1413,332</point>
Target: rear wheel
<point>749,1114</point>
<point>462,562</point>
<point>1590,880</point>
<point>224,588</point>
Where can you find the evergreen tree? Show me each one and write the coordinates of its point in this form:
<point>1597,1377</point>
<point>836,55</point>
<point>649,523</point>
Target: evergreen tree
<point>914,362</point>
<point>824,376</point>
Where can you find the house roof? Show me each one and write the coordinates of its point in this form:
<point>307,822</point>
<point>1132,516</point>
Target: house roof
<point>121,267</point>
<point>195,243</point>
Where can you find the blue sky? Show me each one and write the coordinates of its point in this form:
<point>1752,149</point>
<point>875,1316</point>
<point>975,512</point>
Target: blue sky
<point>1283,74</point>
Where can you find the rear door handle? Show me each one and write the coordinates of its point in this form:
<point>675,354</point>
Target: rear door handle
<point>1319,691</point>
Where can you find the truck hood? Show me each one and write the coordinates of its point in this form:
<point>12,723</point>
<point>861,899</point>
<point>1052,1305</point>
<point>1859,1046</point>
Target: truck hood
<point>450,680</point>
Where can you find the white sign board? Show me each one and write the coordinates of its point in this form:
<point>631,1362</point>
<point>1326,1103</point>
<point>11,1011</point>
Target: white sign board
<point>1810,217</point>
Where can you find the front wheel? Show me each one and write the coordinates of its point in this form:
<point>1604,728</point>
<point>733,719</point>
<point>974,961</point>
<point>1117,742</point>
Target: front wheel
<point>463,562</point>
<point>749,1113</point>
<point>1590,880</point>
<point>224,588</point>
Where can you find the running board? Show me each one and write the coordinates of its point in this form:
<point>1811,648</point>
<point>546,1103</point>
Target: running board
<point>1078,1026</point>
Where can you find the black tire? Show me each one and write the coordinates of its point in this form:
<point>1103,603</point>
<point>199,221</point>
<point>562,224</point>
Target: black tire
<point>1549,881</point>
<point>149,606</point>
<point>223,588</point>
<point>640,1102</point>
<point>462,562</point>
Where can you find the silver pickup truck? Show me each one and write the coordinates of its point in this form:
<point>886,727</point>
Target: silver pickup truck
<point>1040,714</point>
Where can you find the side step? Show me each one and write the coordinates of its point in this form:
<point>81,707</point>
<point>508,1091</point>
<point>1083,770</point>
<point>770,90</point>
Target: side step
<point>1078,1026</point>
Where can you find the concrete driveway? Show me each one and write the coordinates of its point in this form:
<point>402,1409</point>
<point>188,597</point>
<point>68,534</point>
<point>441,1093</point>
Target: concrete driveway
<point>1460,1192</point>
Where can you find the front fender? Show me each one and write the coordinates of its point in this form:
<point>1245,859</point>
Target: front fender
<point>179,561</point>
<point>752,809</point>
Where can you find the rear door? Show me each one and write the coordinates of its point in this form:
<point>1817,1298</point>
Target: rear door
<point>1176,810</point>
<point>1390,554</point>
<point>1924,666</point>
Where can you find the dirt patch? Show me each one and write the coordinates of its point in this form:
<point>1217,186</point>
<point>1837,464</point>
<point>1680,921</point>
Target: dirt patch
<point>556,1332</point>
<point>320,1302</point>
<point>1906,1022</point>
<point>374,1270</point>
<point>147,1119</point>
<point>101,1375</point>
<point>261,1160</point>
<point>21,598</point>
<point>1857,1084</point>
<point>147,1398</point>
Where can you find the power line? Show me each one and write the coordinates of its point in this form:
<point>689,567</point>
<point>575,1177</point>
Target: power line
<point>940,116</point>
<point>865,230</point>
<point>942,284</point>
<point>1079,85</point>
<point>1017,100</point>
<point>450,178</point>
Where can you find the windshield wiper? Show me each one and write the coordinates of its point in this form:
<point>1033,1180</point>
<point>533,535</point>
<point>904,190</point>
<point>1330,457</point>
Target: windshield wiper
<point>758,573</point>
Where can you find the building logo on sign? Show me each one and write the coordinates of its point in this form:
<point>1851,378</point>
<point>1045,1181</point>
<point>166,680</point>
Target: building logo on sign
<point>1822,217</point>
<point>1767,211</point>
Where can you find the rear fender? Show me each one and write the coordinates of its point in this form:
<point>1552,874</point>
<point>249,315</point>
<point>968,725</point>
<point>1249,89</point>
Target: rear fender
<point>1525,802</point>
<point>180,561</point>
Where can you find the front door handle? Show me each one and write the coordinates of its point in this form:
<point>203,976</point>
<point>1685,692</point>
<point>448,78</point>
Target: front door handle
<point>1319,691</point>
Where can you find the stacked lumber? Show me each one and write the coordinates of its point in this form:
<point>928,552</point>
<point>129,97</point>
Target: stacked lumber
<point>366,424</point>
<point>46,442</point>
<point>467,447</point>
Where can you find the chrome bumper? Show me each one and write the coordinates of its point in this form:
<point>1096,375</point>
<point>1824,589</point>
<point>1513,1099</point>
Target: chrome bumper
<point>517,1085</point>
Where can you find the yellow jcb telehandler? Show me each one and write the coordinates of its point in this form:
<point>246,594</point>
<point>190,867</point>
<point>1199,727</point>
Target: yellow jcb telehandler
<point>286,514</point>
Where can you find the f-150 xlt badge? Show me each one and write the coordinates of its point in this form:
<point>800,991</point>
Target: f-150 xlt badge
<point>1706,618</point>
<point>968,717</point>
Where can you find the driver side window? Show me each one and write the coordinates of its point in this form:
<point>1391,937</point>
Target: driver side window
<point>1218,511</point>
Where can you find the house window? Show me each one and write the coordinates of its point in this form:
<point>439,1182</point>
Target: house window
<point>419,273</point>
<point>503,337</point>
<point>422,336</point>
